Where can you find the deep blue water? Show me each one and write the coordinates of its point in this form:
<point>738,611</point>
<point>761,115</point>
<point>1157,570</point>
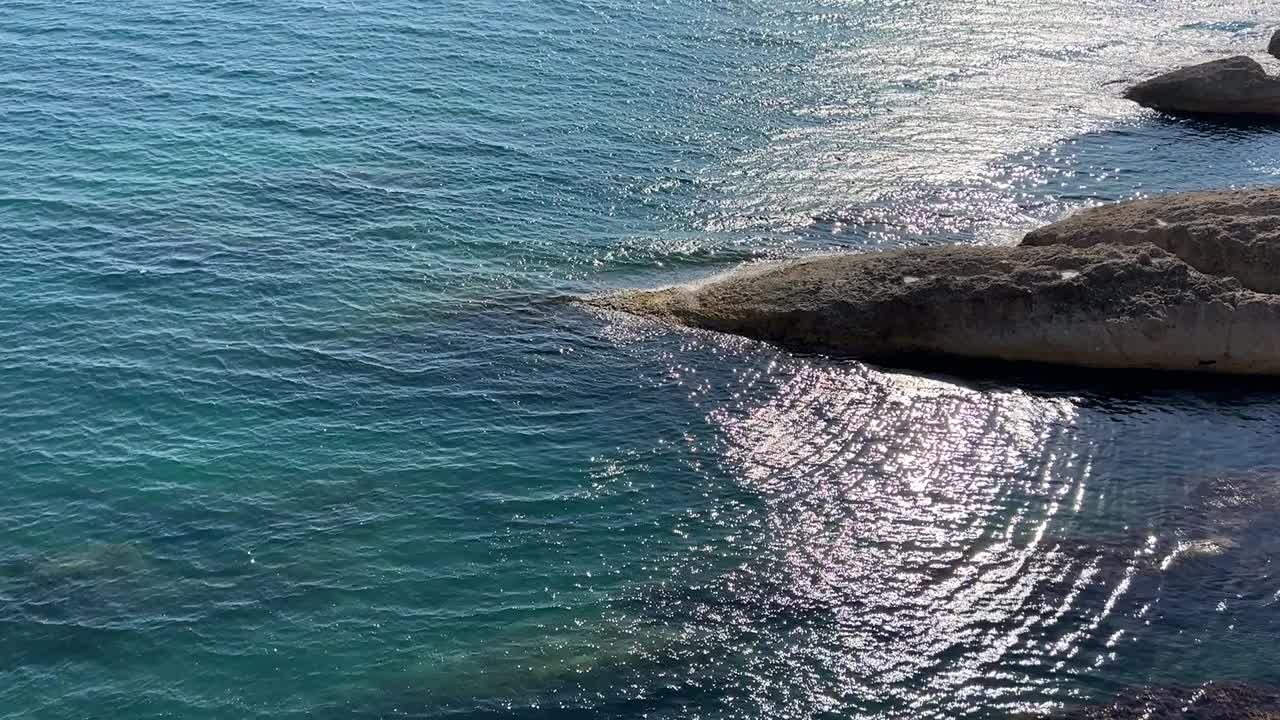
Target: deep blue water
<point>297,421</point>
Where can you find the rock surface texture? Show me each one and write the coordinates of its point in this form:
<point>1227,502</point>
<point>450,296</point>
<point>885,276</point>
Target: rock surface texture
<point>1101,307</point>
<point>1233,233</point>
<point>1212,701</point>
<point>1232,86</point>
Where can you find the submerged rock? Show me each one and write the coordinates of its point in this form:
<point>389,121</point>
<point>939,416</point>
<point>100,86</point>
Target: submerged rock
<point>1232,86</point>
<point>1234,233</point>
<point>1211,701</point>
<point>1098,307</point>
<point>96,561</point>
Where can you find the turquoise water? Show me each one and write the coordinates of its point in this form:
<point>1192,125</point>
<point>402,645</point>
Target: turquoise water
<point>297,421</point>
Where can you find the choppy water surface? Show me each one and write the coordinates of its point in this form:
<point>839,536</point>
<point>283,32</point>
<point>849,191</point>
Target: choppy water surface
<point>297,424</point>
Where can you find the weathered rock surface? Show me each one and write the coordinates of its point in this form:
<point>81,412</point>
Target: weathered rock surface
<point>1232,86</point>
<point>1100,307</point>
<point>1234,233</point>
<point>1212,701</point>
<point>1274,47</point>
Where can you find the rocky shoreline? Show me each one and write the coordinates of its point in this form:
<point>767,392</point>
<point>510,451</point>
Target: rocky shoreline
<point>1185,283</point>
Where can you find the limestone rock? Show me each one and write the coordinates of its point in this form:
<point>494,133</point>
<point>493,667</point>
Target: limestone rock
<point>1232,86</point>
<point>1234,233</point>
<point>1099,307</point>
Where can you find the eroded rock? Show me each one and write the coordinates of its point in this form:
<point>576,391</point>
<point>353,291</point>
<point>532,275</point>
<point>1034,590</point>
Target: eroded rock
<point>1231,86</point>
<point>1100,307</point>
<point>1234,233</point>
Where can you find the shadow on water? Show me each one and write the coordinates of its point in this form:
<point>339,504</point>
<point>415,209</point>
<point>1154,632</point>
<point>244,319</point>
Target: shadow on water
<point>1089,384</point>
<point>1235,127</point>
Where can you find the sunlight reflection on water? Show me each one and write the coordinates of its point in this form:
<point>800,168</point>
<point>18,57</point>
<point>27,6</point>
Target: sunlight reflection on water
<point>914,103</point>
<point>926,512</point>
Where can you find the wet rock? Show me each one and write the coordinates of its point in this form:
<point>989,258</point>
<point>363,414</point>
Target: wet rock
<point>1234,233</point>
<point>1243,493</point>
<point>1241,510</point>
<point>1211,701</point>
<point>1274,47</point>
<point>1232,86</point>
<point>1099,307</point>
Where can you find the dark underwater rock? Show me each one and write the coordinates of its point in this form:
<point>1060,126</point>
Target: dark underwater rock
<point>1211,701</point>
<point>1232,86</point>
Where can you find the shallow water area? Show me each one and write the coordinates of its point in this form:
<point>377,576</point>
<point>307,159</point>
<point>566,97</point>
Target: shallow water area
<point>298,422</point>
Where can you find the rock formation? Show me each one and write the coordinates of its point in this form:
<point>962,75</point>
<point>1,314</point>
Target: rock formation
<point>1102,307</point>
<point>1211,701</point>
<point>1232,86</point>
<point>1274,47</point>
<point>1234,233</point>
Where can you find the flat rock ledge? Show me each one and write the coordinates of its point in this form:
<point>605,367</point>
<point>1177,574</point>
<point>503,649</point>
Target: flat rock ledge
<point>1098,307</point>
<point>1233,233</point>
<point>1231,86</point>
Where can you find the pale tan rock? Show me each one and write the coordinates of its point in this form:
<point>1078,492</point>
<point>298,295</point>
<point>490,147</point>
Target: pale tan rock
<point>1234,233</point>
<point>1098,307</point>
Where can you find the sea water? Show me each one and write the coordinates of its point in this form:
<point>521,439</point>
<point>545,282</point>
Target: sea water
<point>297,421</point>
